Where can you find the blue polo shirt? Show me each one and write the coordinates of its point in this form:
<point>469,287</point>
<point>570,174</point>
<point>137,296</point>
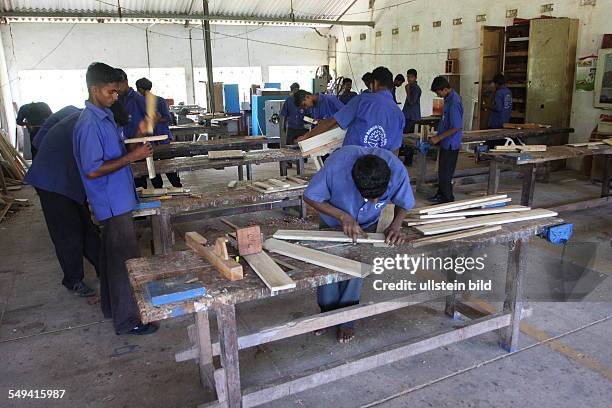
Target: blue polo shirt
<point>452,117</point>
<point>326,106</point>
<point>412,106</point>
<point>294,115</point>
<point>372,120</point>
<point>51,121</point>
<point>334,184</point>
<point>135,106</point>
<point>97,139</point>
<point>55,169</point>
<point>503,108</point>
<point>163,128</point>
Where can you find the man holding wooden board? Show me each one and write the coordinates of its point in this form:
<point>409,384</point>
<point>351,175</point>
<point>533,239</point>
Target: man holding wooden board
<point>350,193</point>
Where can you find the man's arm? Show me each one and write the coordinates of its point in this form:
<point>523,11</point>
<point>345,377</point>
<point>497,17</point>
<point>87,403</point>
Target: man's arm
<point>323,126</point>
<point>110,166</point>
<point>21,116</point>
<point>349,224</point>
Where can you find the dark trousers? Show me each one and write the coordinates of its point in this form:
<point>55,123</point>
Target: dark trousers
<point>410,126</point>
<point>293,134</point>
<point>408,151</point>
<point>73,235</point>
<point>157,182</point>
<point>447,162</point>
<point>116,296</point>
<point>32,133</point>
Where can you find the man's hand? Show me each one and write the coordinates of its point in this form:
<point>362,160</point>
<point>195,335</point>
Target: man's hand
<point>352,228</point>
<point>141,152</point>
<point>303,137</point>
<point>394,235</point>
<point>435,139</point>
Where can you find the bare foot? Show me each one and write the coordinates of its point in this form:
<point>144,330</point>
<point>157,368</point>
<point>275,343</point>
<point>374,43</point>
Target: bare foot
<point>345,334</point>
<point>319,332</point>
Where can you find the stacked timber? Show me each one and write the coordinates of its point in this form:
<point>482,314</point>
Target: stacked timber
<point>12,163</point>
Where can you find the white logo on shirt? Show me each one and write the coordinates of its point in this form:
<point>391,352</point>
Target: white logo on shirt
<point>379,205</point>
<point>375,137</point>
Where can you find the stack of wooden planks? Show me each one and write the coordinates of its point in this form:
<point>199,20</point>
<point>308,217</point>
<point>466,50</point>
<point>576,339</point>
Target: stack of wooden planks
<point>465,218</point>
<point>322,144</point>
<point>275,185</point>
<point>12,163</point>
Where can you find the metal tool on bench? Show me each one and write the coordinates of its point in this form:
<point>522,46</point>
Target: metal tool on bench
<point>558,235</point>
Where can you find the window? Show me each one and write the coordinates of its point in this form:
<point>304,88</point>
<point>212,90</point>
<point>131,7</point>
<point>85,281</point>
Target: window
<point>243,76</point>
<point>169,83</point>
<point>287,75</point>
<point>57,88</point>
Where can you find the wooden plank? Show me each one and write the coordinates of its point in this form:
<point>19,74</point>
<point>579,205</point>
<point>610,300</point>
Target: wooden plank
<point>326,236</point>
<point>145,139</point>
<point>270,273</point>
<point>297,180</point>
<point>414,222</point>
<point>228,268</point>
<point>520,148</point>
<point>464,204</point>
<point>607,141</point>
<point>226,154</point>
<point>335,135</point>
<point>481,211</point>
<point>320,258</point>
<point>264,186</point>
<point>278,183</point>
<point>487,220</point>
<point>453,236</point>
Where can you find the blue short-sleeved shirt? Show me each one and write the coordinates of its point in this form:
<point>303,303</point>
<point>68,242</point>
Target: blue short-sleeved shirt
<point>452,117</point>
<point>135,106</point>
<point>503,108</point>
<point>346,97</point>
<point>372,120</point>
<point>294,115</point>
<point>51,121</point>
<point>334,184</point>
<point>412,106</point>
<point>163,128</point>
<point>97,139</point>
<point>55,169</point>
<point>326,106</point>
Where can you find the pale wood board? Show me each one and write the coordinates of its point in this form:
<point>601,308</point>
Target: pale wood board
<point>472,212</point>
<point>453,236</point>
<point>226,154</point>
<point>326,236</point>
<point>264,187</point>
<point>270,273</point>
<point>487,220</point>
<point>333,135</point>
<point>520,148</point>
<point>320,258</point>
<point>297,180</point>
<point>607,141</point>
<point>146,139</point>
<point>278,183</point>
<point>413,222</point>
<point>472,202</point>
<point>587,144</point>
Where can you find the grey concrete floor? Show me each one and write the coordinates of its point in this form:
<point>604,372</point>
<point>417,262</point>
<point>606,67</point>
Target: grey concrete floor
<point>50,339</point>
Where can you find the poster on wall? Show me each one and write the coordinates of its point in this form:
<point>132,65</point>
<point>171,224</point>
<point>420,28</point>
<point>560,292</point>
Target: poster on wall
<point>585,74</point>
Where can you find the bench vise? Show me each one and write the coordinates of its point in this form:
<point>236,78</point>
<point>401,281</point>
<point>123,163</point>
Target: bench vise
<point>558,234</point>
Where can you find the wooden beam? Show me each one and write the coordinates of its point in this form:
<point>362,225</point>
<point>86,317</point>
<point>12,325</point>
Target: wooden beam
<point>270,273</point>
<point>232,270</point>
<point>463,204</point>
<point>334,137</point>
<point>414,222</point>
<point>320,258</point>
<point>326,236</point>
<point>481,211</point>
<point>453,236</point>
<point>145,139</point>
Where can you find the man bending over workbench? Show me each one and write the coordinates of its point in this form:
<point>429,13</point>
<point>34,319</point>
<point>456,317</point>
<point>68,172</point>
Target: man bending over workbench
<point>350,193</point>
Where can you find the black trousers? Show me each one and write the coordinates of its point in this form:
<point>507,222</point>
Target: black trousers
<point>293,134</point>
<point>410,126</point>
<point>116,296</point>
<point>73,235</point>
<point>157,182</point>
<point>32,133</point>
<point>447,162</point>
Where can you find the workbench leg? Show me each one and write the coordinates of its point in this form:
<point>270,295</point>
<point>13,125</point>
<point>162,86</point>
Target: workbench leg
<point>529,178</point>
<point>228,340</point>
<point>300,166</point>
<point>303,208</point>
<point>161,229</point>
<point>605,182</point>
<point>207,372</point>
<point>449,308</point>
<point>249,168</point>
<point>240,173</point>
<point>513,303</point>
<point>421,170</point>
<point>283,168</point>
<point>494,172</point>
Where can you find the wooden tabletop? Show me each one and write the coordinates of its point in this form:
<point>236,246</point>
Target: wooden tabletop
<point>496,134</point>
<point>187,264</point>
<point>188,149</point>
<point>201,163</point>
<point>552,153</point>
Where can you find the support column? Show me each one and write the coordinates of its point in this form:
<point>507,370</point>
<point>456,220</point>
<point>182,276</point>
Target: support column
<point>228,340</point>
<point>210,83</point>
<point>493,185</point>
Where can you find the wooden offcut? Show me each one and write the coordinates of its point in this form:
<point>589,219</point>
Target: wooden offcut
<point>217,256</point>
<point>225,154</point>
<point>278,183</point>
<point>326,236</point>
<point>269,187</point>
<point>320,258</point>
<point>249,240</point>
<point>270,273</point>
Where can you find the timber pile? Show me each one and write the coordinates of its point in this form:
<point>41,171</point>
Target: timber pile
<point>275,185</point>
<point>466,218</point>
<point>13,164</point>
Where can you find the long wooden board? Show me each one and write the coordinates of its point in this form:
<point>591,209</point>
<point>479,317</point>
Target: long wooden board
<point>320,258</point>
<point>414,222</point>
<point>335,135</point>
<point>225,154</point>
<point>267,187</point>
<point>326,236</point>
<point>479,211</point>
<point>270,273</point>
<point>453,236</point>
<point>145,139</point>
<point>463,204</point>
<point>487,220</point>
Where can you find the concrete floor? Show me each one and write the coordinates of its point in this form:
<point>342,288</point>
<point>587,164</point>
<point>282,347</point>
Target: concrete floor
<point>50,339</point>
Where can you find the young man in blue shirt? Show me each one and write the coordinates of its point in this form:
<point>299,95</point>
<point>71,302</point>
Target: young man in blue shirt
<point>293,117</point>
<point>162,127</point>
<point>501,111</point>
<point>33,116</point>
<point>412,106</point>
<point>370,119</point>
<point>320,105</point>
<point>350,193</point>
<point>51,121</point>
<point>104,166</point>
<point>397,82</point>
<point>367,81</point>
<point>346,93</point>
<point>448,138</point>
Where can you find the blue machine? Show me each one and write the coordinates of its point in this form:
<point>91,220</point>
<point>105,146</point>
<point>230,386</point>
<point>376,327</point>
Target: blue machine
<point>231,96</point>
<point>558,234</point>
<point>258,107</point>
<point>272,85</point>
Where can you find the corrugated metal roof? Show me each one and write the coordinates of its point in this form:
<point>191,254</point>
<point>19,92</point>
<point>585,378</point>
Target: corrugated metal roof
<point>311,9</point>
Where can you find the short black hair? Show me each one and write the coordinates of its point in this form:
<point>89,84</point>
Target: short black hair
<point>439,83</point>
<point>371,175</point>
<point>411,71</point>
<point>399,77</point>
<point>121,116</point>
<point>144,83</point>
<point>122,74</point>
<point>346,81</point>
<point>99,73</point>
<point>367,78</point>
<point>499,79</point>
<point>299,97</point>
<point>383,76</point>
<point>294,85</point>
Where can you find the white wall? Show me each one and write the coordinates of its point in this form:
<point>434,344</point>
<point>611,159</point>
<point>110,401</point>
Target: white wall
<point>434,42</point>
<point>122,45</point>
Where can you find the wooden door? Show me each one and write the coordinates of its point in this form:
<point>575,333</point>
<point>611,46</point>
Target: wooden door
<point>492,40</point>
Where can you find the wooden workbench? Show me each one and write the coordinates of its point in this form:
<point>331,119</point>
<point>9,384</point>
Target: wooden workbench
<point>282,156</point>
<point>474,136</point>
<point>189,149</point>
<point>223,295</point>
<point>528,166</point>
<point>218,202</point>
<point>188,131</point>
